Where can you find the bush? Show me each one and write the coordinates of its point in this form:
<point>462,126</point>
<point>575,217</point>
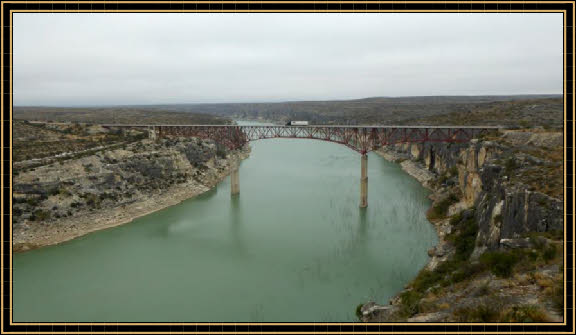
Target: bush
<point>482,313</point>
<point>32,201</point>
<point>41,215</point>
<point>549,252</point>
<point>92,200</point>
<point>453,171</point>
<point>426,279</point>
<point>221,151</point>
<point>526,313</point>
<point>359,311</point>
<point>64,192</point>
<point>556,294</point>
<point>441,208</point>
<point>465,271</point>
<point>510,166</point>
<point>556,235</point>
<point>465,239</point>
<point>409,302</point>
<point>499,263</point>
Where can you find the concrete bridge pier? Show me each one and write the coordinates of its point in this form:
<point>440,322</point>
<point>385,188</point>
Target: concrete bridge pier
<point>152,133</point>
<point>364,181</point>
<point>235,177</point>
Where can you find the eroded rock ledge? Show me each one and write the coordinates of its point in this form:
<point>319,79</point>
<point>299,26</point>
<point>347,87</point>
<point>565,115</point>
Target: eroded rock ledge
<point>61,201</point>
<point>500,231</point>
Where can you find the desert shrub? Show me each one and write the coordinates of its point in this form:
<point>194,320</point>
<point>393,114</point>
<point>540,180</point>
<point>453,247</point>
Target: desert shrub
<point>221,151</point>
<point>549,252</point>
<point>442,179</point>
<point>359,311</point>
<point>465,239</point>
<point>486,312</point>
<point>509,166</point>
<point>441,208</point>
<point>16,212</point>
<point>500,263</point>
<point>483,290</point>
<point>426,279</point>
<point>556,234</point>
<point>453,171</point>
<point>32,201</point>
<point>64,192</point>
<point>41,215</point>
<point>455,219</point>
<point>409,301</point>
<point>465,271</point>
<point>525,313</point>
<point>92,200</point>
<point>556,294</point>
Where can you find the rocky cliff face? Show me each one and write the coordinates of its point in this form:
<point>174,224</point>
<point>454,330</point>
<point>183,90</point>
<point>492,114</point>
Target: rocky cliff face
<point>64,199</point>
<point>489,196</point>
<point>482,172</point>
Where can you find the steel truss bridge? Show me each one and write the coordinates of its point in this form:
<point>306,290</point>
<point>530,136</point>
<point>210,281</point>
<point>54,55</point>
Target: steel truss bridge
<point>361,139</point>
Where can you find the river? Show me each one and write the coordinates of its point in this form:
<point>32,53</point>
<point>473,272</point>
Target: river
<point>293,247</point>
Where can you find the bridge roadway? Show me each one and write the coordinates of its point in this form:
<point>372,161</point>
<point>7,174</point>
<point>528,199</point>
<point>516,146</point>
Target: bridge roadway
<point>361,139</point>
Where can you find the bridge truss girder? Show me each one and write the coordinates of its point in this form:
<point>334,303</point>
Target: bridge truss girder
<point>360,139</point>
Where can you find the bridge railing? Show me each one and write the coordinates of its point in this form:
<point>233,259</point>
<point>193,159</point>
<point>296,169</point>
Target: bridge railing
<point>359,138</point>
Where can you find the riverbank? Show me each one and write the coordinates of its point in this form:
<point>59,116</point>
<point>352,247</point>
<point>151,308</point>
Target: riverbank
<point>499,223</point>
<point>112,188</point>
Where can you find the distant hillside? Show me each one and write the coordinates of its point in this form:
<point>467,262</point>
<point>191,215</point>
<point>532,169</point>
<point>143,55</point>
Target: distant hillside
<point>519,113</point>
<point>544,110</point>
<point>518,110</point>
<point>117,115</point>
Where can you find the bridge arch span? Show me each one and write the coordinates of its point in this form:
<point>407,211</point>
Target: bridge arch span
<point>361,139</point>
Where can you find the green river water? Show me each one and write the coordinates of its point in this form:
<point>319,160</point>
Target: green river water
<point>293,247</point>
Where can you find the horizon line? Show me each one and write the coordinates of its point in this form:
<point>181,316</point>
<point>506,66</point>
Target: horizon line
<point>285,101</point>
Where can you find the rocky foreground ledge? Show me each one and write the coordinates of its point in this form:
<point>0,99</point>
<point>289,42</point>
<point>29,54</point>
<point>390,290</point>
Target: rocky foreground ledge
<point>498,213</point>
<point>73,197</point>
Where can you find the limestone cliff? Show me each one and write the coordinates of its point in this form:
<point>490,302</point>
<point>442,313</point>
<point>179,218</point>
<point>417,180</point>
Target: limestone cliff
<point>483,173</point>
<point>489,196</point>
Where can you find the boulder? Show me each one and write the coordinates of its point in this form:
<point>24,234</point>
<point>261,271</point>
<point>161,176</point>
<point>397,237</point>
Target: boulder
<point>515,243</point>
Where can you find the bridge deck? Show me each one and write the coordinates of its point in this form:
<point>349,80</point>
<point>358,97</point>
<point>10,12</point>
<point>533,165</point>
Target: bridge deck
<point>309,126</point>
<point>359,138</point>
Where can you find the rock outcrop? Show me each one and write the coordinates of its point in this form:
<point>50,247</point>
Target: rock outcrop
<point>481,170</point>
<point>488,196</point>
<point>63,200</point>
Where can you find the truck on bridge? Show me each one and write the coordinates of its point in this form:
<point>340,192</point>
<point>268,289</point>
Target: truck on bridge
<point>297,123</point>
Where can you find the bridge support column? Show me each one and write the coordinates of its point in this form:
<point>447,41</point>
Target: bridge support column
<point>152,133</point>
<point>364,181</point>
<point>235,177</point>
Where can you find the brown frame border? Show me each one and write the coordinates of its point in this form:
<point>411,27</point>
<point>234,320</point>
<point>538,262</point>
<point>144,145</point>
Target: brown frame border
<point>506,325</point>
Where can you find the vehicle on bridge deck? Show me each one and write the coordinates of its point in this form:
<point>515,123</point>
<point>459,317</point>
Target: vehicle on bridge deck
<point>297,123</point>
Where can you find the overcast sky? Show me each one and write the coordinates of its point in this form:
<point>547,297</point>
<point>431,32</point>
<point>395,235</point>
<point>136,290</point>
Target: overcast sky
<point>98,59</point>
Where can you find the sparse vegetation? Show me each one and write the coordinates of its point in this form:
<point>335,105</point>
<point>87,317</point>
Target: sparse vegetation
<point>41,215</point>
<point>485,312</point>
<point>524,313</point>
<point>500,263</point>
<point>493,311</point>
<point>440,210</point>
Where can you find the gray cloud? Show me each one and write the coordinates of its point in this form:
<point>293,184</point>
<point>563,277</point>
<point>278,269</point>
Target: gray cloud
<point>98,59</point>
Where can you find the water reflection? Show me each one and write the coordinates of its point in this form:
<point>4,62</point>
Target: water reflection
<point>362,222</point>
<point>236,225</point>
